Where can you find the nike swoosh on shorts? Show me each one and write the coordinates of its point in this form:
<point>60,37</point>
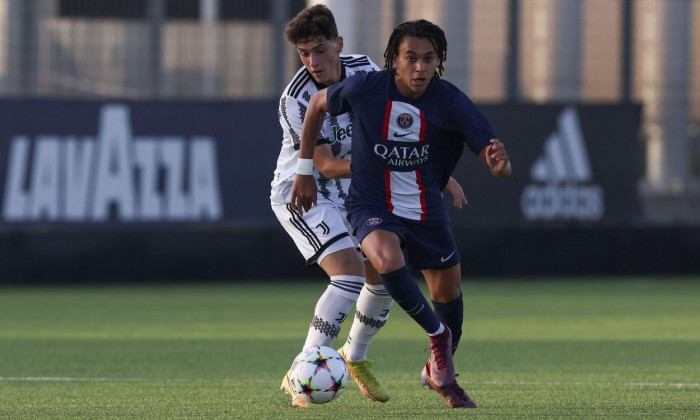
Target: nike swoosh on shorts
<point>443,259</point>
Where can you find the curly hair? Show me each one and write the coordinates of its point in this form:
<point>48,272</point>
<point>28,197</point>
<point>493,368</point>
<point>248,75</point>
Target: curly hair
<point>418,29</point>
<point>316,22</point>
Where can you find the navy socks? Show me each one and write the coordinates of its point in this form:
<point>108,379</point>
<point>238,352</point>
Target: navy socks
<point>405,291</point>
<point>452,314</point>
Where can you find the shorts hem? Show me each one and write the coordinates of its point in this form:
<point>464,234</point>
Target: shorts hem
<point>311,262</point>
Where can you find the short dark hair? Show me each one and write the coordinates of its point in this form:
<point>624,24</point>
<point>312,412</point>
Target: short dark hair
<point>418,29</point>
<point>316,22</point>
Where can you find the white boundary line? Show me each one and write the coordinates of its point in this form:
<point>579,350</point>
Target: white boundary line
<point>557,383</point>
<point>516,383</point>
<point>65,379</point>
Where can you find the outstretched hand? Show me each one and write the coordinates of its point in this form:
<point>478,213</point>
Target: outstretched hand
<point>303,193</point>
<point>497,159</point>
<point>458,197</point>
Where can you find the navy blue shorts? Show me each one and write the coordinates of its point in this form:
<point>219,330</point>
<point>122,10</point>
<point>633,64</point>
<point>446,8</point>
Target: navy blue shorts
<point>427,246</point>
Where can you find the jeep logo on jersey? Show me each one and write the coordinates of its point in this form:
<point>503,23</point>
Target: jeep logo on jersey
<point>404,120</point>
<point>340,133</point>
<point>563,189</point>
<point>87,179</point>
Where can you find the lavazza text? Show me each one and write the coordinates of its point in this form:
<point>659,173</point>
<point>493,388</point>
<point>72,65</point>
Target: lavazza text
<point>113,175</point>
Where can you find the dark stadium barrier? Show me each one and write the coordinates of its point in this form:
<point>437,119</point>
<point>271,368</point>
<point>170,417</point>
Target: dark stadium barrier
<point>124,165</point>
<point>178,190</point>
<point>92,256</point>
<point>571,164</point>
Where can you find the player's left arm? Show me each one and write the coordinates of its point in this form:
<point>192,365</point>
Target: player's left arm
<point>496,159</point>
<point>458,197</point>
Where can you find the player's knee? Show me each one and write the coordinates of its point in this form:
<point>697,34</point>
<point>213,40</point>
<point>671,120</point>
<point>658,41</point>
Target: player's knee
<point>386,264</point>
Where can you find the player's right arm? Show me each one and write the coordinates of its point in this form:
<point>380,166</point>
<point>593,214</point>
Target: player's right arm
<point>304,187</point>
<point>329,165</point>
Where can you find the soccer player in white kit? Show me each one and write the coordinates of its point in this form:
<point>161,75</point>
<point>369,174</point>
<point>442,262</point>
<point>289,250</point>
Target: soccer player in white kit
<point>322,234</point>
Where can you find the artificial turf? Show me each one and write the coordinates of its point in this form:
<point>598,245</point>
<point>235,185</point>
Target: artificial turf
<point>552,348</point>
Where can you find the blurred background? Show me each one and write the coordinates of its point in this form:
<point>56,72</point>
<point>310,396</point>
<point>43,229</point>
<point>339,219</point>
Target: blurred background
<point>138,137</point>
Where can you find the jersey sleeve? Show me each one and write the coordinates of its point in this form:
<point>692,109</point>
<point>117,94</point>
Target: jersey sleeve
<point>475,129</point>
<point>341,96</point>
<point>291,115</point>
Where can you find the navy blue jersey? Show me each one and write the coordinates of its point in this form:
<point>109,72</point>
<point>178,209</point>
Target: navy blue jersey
<point>404,150</point>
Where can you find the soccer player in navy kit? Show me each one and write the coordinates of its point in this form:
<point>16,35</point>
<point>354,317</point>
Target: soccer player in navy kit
<point>321,235</point>
<point>409,130</point>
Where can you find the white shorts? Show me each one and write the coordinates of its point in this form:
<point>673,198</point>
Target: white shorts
<point>322,231</point>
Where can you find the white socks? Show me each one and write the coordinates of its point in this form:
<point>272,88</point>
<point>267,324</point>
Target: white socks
<point>332,308</point>
<point>371,313</point>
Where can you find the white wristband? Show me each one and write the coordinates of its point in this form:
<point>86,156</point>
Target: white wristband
<point>305,166</point>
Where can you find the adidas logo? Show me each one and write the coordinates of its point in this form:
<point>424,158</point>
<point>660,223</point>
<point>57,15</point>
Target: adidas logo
<point>563,175</point>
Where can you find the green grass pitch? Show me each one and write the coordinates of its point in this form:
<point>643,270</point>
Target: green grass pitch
<point>554,348</point>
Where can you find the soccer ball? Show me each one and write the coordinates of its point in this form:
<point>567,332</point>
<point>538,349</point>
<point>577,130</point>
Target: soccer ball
<point>319,375</point>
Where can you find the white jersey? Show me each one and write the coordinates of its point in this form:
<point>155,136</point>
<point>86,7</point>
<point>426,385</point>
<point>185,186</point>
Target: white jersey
<point>336,131</point>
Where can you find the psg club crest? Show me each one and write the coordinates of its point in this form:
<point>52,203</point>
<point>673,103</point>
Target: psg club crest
<point>404,120</point>
<point>373,221</point>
